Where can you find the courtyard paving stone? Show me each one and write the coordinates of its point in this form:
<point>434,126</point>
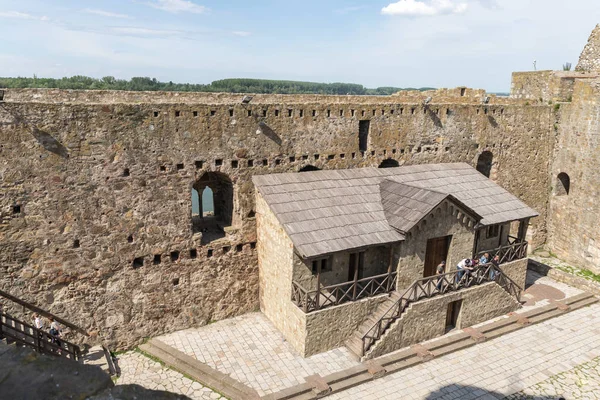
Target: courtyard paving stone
<point>514,364</point>
<point>251,350</point>
<point>140,370</point>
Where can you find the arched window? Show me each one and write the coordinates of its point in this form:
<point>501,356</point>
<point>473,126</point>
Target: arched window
<point>212,205</point>
<point>389,163</point>
<point>484,163</point>
<point>563,184</point>
<point>309,168</point>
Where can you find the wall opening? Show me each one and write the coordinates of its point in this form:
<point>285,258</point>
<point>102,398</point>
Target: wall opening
<point>212,210</point>
<point>453,315</point>
<point>137,262</point>
<point>309,168</point>
<point>484,163</point>
<point>363,134</point>
<point>563,184</point>
<point>389,163</point>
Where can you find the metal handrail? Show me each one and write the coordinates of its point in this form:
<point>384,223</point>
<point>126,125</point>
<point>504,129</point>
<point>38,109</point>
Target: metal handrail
<point>327,296</point>
<point>438,285</point>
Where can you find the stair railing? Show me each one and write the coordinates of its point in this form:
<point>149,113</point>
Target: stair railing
<point>438,285</point>
<point>42,342</point>
<point>42,312</point>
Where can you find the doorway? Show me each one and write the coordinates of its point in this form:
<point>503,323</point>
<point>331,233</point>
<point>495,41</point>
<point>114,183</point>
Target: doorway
<point>436,252</point>
<point>452,314</point>
<point>356,266</point>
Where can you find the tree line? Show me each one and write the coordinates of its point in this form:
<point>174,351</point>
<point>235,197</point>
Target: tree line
<point>224,85</point>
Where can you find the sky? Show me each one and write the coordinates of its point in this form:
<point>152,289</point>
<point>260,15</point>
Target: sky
<point>405,43</point>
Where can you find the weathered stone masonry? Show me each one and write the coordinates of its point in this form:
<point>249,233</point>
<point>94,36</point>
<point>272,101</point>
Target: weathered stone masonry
<point>95,200</point>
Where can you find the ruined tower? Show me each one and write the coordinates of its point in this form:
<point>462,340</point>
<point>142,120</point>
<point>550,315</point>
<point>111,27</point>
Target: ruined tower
<point>589,60</point>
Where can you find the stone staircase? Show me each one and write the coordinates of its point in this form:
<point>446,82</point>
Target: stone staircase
<point>388,313</point>
<point>355,342</point>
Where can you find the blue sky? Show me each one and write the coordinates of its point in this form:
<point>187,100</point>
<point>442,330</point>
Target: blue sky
<point>439,43</point>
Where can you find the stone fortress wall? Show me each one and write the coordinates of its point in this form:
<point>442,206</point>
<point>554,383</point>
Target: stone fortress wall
<point>95,206</point>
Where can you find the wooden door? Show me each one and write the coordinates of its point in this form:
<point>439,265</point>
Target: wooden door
<point>437,251</point>
<point>452,314</point>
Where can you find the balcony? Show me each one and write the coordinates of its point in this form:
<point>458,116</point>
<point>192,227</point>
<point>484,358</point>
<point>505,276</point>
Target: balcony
<point>328,296</point>
<point>515,250</point>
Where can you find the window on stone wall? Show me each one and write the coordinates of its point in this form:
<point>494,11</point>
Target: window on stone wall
<point>309,168</point>
<point>389,163</point>
<point>563,184</point>
<point>325,263</point>
<point>484,163</point>
<point>363,134</point>
<point>492,231</point>
<point>212,205</point>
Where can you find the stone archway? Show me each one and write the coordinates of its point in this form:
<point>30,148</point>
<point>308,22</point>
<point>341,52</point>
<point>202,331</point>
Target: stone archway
<point>212,222</point>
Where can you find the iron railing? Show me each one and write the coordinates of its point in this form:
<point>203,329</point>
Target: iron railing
<point>42,342</point>
<point>438,285</point>
<point>327,296</point>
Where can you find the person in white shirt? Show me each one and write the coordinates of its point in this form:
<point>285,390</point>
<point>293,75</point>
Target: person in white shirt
<point>37,321</point>
<point>462,267</point>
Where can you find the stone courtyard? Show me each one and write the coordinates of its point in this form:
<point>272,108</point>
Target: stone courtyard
<point>562,358</point>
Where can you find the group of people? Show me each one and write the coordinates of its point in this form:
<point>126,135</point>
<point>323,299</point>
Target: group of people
<point>467,265</point>
<point>55,329</point>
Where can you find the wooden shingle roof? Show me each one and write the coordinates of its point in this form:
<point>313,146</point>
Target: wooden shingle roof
<point>328,211</point>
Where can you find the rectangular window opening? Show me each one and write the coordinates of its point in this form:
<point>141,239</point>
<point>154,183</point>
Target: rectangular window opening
<point>251,163</point>
<point>193,253</point>
<point>157,259</point>
<point>292,159</point>
<point>239,248</point>
<point>234,163</point>
<point>174,256</point>
<point>290,112</point>
<point>249,113</point>
<point>314,113</point>
<point>364,127</point>
<point>218,162</point>
<point>198,164</point>
<point>301,113</point>
<point>277,113</point>
<point>231,113</point>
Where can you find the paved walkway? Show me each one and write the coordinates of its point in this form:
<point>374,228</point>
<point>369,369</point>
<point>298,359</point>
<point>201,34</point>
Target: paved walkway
<point>140,370</point>
<point>499,367</point>
<point>251,350</point>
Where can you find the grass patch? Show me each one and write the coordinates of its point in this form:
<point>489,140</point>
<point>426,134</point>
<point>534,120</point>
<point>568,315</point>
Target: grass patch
<point>583,273</point>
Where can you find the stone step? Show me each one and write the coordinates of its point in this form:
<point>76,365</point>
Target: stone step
<point>200,372</point>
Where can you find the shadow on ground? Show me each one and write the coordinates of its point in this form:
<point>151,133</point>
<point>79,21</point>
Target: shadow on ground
<point>462,392</point>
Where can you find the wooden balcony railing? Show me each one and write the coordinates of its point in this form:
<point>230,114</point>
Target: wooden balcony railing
<point>42,342</point>
<point>438,285</point>
<point>327,296</point>
<point>515,250</point>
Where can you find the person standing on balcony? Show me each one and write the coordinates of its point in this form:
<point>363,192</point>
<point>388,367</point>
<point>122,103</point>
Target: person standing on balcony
<point>462,267</point>
<point>496,262</point>
<point>440,270</point>
<point>485,258</point>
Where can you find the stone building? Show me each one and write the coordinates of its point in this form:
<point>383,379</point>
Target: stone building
<point>336,249</point>
<point>97,222</point>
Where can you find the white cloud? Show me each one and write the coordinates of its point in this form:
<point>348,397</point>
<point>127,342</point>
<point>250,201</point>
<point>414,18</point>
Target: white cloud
<point>103,13</point>
<point>143,32</point>
<point>241,33</point>
<point>178,6</point>
<point>416,8</point>
<point>20,15</point>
